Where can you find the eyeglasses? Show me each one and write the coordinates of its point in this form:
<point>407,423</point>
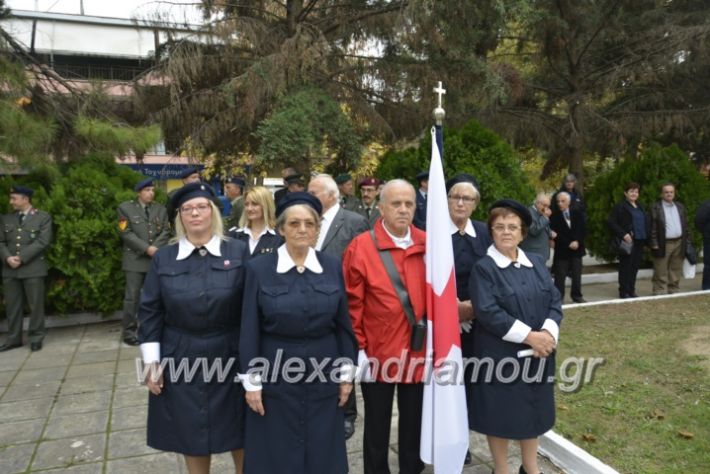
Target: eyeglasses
<point>465,199</point>
<point>500,228</point>
<point>200,208</point>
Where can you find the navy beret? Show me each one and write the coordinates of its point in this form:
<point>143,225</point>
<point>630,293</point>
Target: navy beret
<point>239,181</point>
<point>191,191</point>
<point>187,172</point>
<point>422,176</point>
<point>291,199</point>
<point>343,178</point>
<point>462,178</point>
<point>370,181</point>
<point>143,184</point>
<point>294,178</point>
<point>516,207</point>
<point>22,190</point>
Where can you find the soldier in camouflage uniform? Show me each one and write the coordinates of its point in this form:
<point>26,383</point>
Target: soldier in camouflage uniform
<point>143,225</point>
<point>25,235</point>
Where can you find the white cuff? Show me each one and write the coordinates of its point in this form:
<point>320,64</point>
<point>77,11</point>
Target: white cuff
<point>348,372</point>
<point>518,332</point>
<point>251,382</point>
<point>552,327</point>
<point>364,370</point>
<point>465,326</point>
<point>150,352</point>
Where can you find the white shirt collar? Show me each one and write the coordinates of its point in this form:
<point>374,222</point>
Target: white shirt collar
<point>401,242</point>
<point>329,215</point>
<point>668,205</point>
<point>469,229</point>
<point>503,262</point>
<point>185,247</point>
<point>247,231</point>
<point>286,263</point>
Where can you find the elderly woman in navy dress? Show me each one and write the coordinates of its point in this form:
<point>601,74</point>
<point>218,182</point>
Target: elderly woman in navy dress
<point>190,313</point>
<point>295,309</point>
<point>470,240</point>
<point>517,308</point>
<point>258,222</point>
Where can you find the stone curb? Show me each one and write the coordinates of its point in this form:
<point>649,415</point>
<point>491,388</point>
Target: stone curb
<point>76,319</point>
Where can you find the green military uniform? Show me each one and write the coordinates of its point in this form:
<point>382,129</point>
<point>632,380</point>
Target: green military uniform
<point>235,213</point>
<point>351,203</point>
<point>27,238</point>
<point>140,227</point>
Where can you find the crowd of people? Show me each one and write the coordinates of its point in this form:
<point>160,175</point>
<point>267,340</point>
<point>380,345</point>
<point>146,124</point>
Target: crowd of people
<point>337,283</point>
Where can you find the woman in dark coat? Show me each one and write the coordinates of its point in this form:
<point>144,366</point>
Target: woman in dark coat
<point>470,240</point>
<point>190,314</point>
<point>256,226</point>
<point>296,311</point>
<point>627,222</point>
<point>517,308</point>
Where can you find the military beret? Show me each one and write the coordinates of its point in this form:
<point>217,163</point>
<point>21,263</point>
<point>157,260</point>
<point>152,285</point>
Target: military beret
<point>239,181</point>
<point>462,178</point>
<point>22,190</point>
<point>369,181</point>
<point>516,207</point>
<point>187,172</point>
<point>191,191</point>
<point>143,184</point>
<point>424,175</point>
<point>291,199</point>
<point>294,178</point>
<point>343,178</point>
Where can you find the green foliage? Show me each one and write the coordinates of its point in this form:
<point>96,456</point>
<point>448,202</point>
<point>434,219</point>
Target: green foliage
<point>471,149</point>
<point>85,254</point>
<point>103,135</point>
<point>308,125</point>
<point>654,166</point>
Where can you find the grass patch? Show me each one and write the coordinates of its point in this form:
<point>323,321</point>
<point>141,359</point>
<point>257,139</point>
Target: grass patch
<point>647,409</point>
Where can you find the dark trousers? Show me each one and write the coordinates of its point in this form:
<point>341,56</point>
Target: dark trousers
<point>350,407</point>
<point>378,398</point>
<point>706,263</point>
<point>572,266</point>
<point>16,290</point>
<point>131,299</point>
<point>628,269</point>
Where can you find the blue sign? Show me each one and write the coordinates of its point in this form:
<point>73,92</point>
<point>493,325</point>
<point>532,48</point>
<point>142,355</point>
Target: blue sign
<point>162,172</point>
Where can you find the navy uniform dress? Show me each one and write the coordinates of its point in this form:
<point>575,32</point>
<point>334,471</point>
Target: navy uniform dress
<point>268,243</point>
<point>503,292</point>
<point>299,316</point>
<point>467,251</point>
<point>192,308</point>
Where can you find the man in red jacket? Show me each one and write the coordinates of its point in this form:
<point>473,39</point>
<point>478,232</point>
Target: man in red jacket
<point>383,329</point>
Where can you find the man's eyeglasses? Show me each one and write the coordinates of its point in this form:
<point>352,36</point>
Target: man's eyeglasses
<point>200,208</point>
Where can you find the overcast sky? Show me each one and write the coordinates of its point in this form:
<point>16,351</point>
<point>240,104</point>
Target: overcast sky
<point>114,8</point>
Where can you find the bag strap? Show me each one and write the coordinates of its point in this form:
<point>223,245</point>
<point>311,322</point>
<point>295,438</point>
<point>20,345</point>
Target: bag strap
<point>396,280</point>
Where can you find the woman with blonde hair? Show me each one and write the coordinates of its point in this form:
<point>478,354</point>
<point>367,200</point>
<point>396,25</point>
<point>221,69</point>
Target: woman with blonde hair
<point>258,222</point>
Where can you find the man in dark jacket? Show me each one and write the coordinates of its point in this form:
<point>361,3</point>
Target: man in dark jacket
<point>569,225</point>
<point>668,240</point>
<point>702,222</point>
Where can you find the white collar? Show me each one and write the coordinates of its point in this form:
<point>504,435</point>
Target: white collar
<point>469,229</point>
<point>247,231</point>
<point>401,242</point>
<point>503,262</point>
<point>286,263</point>
<point>185,247</point>
<point>329,215</point>
<point>672,204</point>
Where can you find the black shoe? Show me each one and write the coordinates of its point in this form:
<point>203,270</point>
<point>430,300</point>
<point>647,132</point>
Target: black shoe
<point>623,296</point>
<point>633,295</point>
<point>36,346</point>
<point>579,300</point>
<point>522,470</point>
<point>349,429</point>
<point>467,459</point>
<point>7,347</point>
<point>131,340</point>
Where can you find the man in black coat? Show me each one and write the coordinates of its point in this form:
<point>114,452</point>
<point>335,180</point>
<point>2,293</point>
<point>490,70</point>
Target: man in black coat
<point>702,222</point>
<point>570,227</point>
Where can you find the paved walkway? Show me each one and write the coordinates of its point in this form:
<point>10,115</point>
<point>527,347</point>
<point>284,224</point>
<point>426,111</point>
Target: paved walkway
<point>75,407</point>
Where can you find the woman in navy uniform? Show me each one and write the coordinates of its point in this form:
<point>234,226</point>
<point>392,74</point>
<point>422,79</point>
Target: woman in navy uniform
<point>517,308</point>
<point>470,240</point>
<point>190,314</point>
<point>296,309</point>
<point>256,226</point>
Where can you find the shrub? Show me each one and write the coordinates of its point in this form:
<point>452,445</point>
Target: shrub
<point>471,149</point>
<point>654,166</point>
